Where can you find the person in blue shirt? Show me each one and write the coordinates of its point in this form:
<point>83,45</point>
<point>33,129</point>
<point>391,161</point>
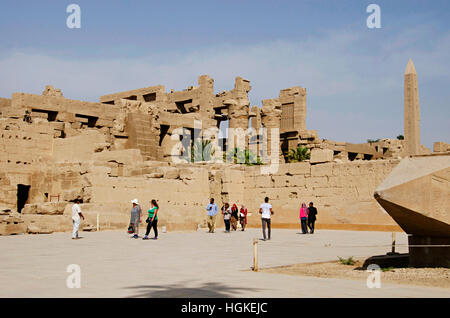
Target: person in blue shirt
<point>212,212</point>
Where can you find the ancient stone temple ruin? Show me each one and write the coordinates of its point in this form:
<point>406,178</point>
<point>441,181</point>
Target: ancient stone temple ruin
<point>139,144</point>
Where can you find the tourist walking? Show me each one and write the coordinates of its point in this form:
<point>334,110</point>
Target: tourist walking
<point>76,218</point>
<point>226,211</point>
<point>135,218</point>
<point>243,217</point>
<point>265,209</point>
<point>212,213</point>
<point>304,218</point>
<point>152,220</point>
<point>312,212</point>
<point>234,217</point>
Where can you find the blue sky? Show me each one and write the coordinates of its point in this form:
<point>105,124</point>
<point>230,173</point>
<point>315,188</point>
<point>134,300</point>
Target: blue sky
<point>353,75</point>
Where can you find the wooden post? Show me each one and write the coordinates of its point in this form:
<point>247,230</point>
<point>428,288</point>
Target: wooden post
<point>98,222</point>
<point>255,255</point>
<point>393,242</point>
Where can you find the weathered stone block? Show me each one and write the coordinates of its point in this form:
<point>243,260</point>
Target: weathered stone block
<point>321,155</point>
<point>29,209</point>
<point>299,168</point>
<point>280,181</point>
<point>320,170</point>
<point>171,172</point>
<point>186,173</point>
<point>263,181</point>
<point>52,208</point>
<point>297,180</point>
<point>12,228</point>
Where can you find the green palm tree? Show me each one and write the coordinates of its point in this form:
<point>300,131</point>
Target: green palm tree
<point>202,150</point>
<point>298,155</point>
<point>240,156</point>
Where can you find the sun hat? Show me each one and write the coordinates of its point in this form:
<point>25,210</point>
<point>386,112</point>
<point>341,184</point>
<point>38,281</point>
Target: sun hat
<point>135,201</point>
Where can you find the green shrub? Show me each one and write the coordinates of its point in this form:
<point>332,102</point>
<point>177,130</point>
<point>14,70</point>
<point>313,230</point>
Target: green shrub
<point>239,156</point>
<point>298,155</point>
<point>201,150</point>
<point>347,261</point>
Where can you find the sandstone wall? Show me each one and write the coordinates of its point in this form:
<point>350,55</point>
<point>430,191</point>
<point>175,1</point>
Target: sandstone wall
<point>107,181</point>
<point>21,143</point>
<point>79,148</point>
<point>4,104</point>
<point>182,193</point>
<point>342,193</point>
<point>23,149</point>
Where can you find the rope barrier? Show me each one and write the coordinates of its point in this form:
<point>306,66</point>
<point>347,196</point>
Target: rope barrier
<point>387,245</point>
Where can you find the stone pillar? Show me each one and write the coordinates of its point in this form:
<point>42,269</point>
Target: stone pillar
<point>238,114</point>
<point>256,119</point>
<point>271,118</point>
<point>411,111</point>
<point>300,110</point>
<point>206,100</point>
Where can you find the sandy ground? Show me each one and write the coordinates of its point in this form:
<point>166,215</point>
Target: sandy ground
<point>195,264</point>
<point>432,277</point>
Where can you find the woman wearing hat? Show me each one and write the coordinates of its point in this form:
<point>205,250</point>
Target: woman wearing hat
<point>135,218</point>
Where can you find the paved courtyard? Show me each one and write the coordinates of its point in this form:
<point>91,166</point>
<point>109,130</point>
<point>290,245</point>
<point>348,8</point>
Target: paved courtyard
<point>196,264</point>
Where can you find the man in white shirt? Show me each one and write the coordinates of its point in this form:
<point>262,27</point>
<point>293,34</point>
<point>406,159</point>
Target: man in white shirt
<point>76,218</point>
<point>212,212</point>
<point>265,209</point>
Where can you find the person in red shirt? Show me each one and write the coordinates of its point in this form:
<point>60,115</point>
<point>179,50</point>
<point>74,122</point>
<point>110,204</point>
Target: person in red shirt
<point>234,217</point>
<point>243,217</point>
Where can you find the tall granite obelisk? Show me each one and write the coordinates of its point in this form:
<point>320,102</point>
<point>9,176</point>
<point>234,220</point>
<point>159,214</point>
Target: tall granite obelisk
<point>411,111</point>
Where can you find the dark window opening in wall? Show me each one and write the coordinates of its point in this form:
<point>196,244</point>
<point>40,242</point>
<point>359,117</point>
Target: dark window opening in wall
<point>284,146</point>
<point>51,115</point>
<point>220,118</point>
<point>92,121</point>
<point>46,195</point>
<point>368,157</point>
<point>223,144</point>
<point>183,105</point>
<point>163,132</point>
<point>132,97</point>
<point>253,139</point>
<point>149,97</point>
<point>335,153</point>
<point>111,102</point>
<point>22,196</point>
<point>352,156</point>
<point>385,150</point>
<point>186,138</point>
<point>223,134</point>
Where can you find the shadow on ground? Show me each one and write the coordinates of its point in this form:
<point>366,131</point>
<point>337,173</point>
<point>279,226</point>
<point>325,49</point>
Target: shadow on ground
<point>207,290</point>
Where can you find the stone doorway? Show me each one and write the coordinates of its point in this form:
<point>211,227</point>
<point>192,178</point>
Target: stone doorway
<point>22,196</point>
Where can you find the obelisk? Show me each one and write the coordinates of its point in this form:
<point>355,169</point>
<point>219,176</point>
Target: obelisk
<point>411,111</point>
